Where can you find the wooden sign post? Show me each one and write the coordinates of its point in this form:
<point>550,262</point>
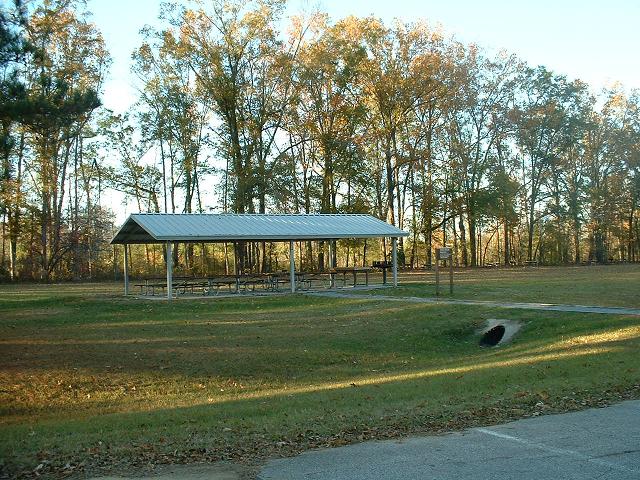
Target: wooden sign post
<point>444,253</point>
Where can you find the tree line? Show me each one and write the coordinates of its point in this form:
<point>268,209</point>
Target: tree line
<point>243,111</point>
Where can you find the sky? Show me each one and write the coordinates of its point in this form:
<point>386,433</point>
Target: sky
<point>594,40</point>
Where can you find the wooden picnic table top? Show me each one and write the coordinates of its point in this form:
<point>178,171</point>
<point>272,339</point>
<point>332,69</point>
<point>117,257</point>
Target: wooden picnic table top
<point>242,276</point>
<point>352,269</point>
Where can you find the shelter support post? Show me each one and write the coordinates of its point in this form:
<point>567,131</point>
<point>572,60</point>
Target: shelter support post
<point>235,258</point>
<point>394,260</point>
<point>169,271</point>
<point>236,268</point>
<point>126,269</point>
<point>332,277</point>
<point>292,266</point>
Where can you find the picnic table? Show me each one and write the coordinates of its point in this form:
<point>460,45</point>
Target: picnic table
<point>150,284</point>
<point>236,283</point>
<point>253,280</point>
<point>353,271</point>
<point>208,285</point>
<point>276,279</point>
<point>323,277</point>
<point>214,284</point>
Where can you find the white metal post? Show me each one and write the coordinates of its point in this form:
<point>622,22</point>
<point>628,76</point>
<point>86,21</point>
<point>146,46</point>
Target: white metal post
<point>235,266</point>
<point>332,278</point>
<point>292,266</point>
<point>394,260</point>
<point>126,269</point>
<point>235,259</point>
<point>169,271</point>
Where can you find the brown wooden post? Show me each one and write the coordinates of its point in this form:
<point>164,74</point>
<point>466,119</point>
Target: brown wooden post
<point>451,274</point>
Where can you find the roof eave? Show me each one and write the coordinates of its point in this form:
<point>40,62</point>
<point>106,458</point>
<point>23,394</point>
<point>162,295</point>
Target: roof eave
<point>132,219</point>
<point>281,238</point>
<point>137,237</point>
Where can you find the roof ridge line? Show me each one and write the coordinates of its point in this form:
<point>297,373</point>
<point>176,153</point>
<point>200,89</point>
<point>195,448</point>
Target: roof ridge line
<point>259,214</point>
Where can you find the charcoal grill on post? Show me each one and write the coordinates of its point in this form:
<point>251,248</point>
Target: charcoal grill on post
<point>382,266</point>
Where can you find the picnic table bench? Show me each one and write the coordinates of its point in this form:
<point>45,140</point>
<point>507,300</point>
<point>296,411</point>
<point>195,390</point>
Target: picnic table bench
<point>214,284</point>
<point>309,278</point>
<point>589,262</point>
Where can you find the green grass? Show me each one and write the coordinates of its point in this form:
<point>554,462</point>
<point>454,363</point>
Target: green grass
<point>98,381</point>
<point>606,285</point>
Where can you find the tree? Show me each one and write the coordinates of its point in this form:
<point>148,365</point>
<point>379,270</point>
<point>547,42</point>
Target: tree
<point>542,120</point>
<point>487,89</point>
<point>14,50</point>
<point>55,87</point>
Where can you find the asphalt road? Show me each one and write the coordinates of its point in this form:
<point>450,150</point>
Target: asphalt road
<point>592,444</point>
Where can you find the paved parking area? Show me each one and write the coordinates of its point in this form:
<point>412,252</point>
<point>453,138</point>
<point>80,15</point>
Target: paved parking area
<point>597,443</point>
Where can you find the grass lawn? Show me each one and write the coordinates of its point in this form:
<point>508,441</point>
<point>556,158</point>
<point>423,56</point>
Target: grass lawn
<point>604,285</point>
<point>91,381</point>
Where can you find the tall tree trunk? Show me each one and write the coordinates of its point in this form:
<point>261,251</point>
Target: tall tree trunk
<point>463,241</point>
<point>507,247</point>
<point>471,220</point>
<point>391,217</point>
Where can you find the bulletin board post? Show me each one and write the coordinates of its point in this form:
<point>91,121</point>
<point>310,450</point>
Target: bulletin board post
<point>444,254</point>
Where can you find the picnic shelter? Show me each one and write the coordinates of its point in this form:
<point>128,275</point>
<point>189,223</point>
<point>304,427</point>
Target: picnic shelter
<point>168,228</point>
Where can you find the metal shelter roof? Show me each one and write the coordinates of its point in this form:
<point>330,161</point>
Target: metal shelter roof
<point>209,227</point>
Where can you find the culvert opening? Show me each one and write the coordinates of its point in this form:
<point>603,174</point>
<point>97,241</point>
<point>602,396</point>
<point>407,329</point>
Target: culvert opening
<point>493,336</point>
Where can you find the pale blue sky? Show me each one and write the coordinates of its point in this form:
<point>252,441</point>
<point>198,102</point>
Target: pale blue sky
<point>596,41</point>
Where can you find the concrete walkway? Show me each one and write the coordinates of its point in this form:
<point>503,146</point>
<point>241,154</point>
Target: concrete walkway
<point>597,443</point>
<point>526,306</point>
